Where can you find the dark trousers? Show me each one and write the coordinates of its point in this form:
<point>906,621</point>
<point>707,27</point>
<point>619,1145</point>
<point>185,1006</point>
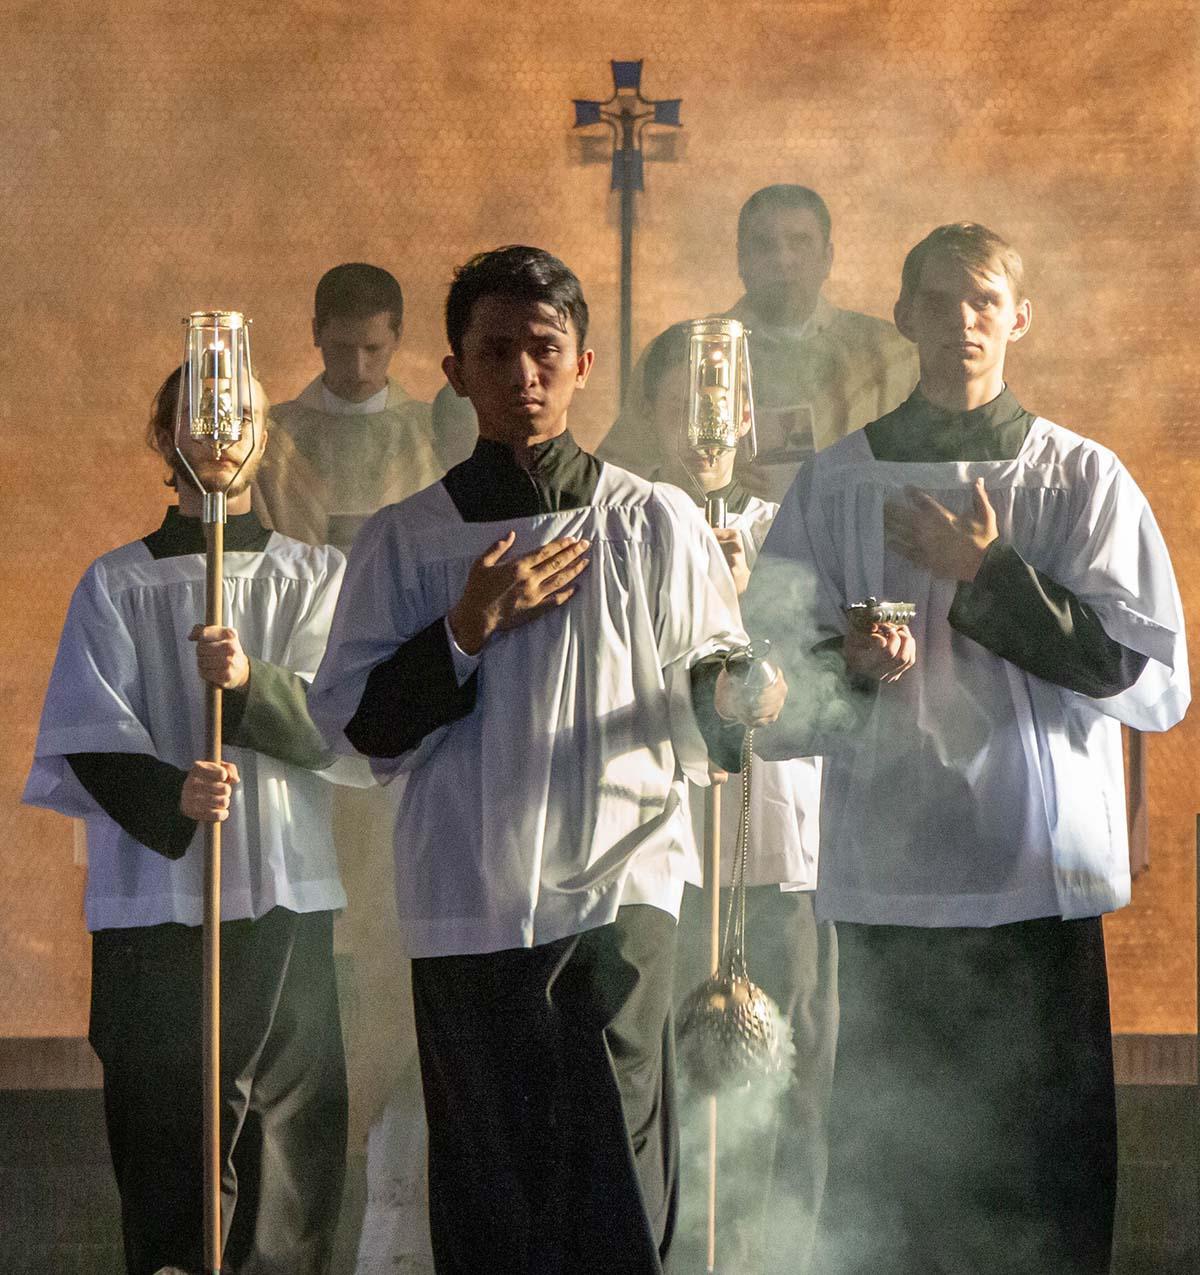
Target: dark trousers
<point>772,1144</point>
<point>283,1091</point>
<point>973,1126</point>
<point>548,1079</point>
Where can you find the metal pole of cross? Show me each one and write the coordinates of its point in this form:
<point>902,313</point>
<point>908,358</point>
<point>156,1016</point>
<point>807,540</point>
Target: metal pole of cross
<point>626,113</point>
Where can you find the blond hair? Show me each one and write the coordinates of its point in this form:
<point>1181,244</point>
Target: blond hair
<point>970,245</point>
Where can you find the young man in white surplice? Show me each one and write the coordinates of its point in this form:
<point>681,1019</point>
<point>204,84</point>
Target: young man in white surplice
<point>121,731</point>
<point>972,806</point>
<point>535,641</point>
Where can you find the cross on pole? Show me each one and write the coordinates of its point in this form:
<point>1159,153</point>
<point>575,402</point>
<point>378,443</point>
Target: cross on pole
<point>626,113</point>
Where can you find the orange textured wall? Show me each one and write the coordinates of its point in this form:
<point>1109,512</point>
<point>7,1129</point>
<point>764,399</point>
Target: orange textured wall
<point>154,161</point>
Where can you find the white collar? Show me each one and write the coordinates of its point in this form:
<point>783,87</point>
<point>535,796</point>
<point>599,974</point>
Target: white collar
<point>336,406</point>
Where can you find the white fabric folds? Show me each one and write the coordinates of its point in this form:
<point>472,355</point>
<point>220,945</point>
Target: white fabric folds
<point>560,796</point>
<point>125,681</point>
<point>978,794</point>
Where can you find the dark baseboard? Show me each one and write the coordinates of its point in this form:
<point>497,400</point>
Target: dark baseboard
<point>67,1062</point>
<point>60,1215</point>
<point>1155,1060</point>
<point>48,1062</point>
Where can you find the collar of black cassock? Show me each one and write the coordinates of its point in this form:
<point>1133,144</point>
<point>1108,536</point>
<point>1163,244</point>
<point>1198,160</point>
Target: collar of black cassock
<point>179,535</point>
<point>490,485</point>
<point>920,431</point>
<point>735,496</point>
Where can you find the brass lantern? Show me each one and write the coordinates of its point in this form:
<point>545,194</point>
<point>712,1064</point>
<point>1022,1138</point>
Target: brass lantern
<point>720,408</point>
<point>216,394</point>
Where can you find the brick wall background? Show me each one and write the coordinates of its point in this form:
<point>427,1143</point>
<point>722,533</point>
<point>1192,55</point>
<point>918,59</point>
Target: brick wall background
<point>155,159</point>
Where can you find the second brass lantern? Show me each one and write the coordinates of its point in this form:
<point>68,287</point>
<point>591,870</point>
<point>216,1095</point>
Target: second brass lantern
<point>720,407</point>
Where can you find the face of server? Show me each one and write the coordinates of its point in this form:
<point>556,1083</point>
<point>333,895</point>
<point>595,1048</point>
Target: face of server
<point>962,322</point>
<point>215,474</point>
<point>357,354</point>
<point>712,469</point>
<point>520,366</point>
<point>784,260</point>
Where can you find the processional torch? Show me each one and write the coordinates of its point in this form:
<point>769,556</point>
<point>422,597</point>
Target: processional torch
<point>216,402</point>
<point>730,1031</point>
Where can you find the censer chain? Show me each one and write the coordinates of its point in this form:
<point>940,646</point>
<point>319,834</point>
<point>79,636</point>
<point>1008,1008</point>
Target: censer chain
<point>733,950</point>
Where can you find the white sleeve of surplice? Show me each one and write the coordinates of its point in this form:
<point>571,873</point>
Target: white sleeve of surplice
<point>697,614</point>
<point>304,650</point>
<point>1116,561</point>
<point>754,525</point>
<point>375,614</point>
<point>93,703</point>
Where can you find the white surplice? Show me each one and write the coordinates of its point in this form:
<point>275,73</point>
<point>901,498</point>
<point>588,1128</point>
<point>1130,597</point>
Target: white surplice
<point>976,793</point>
<point>561,795</point>
<point>125,681</point>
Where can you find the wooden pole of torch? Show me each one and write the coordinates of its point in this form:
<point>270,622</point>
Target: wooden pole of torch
<point>213,615</point>
<point>712,886</point>
<point>714,512</point>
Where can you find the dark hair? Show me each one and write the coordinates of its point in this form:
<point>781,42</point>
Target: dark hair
<point>667,351</point>
<point>784,196</point>
<point>162,421</point>
<point>517,273</point>
<point>972,246</point>
<point>356,290</point>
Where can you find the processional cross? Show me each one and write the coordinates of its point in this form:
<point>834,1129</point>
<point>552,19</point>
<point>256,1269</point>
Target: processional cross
<point>626,113</point>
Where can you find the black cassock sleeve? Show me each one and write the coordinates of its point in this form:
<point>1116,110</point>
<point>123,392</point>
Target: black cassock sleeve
<point>141,793</point>
<point>1020,614</point>
<point>270,715</point>
<point>724,739</point>
<point>408,696</point>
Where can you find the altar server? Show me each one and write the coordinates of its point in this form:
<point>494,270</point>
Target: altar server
<point>121,731</point>
<point>527,640</point>
<point>972,823</point>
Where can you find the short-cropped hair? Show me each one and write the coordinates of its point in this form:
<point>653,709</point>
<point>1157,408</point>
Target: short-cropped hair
<point>784,196</point>
<point>356,290</point>
<point>970,245</point>
<point>517,273</point>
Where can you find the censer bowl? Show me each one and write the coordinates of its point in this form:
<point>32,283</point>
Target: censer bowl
<point>730,1034</point>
